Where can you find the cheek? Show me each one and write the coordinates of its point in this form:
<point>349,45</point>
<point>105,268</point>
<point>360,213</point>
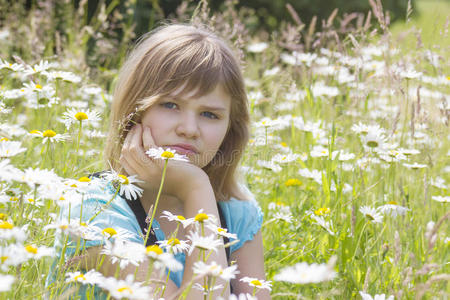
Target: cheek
<point>156,125</point>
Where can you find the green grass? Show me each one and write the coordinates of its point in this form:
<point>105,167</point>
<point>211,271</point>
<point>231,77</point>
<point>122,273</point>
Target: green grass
<point>394,257</point>
<point>429,18</point>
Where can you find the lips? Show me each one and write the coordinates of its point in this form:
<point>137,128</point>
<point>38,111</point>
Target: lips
<point>184,149</point>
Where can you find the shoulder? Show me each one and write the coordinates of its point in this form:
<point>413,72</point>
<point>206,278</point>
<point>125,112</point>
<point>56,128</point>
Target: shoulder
<point>99,206</point>
<point>243,217</point>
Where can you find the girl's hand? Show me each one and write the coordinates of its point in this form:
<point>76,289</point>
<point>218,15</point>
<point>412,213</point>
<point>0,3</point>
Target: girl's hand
<point>181,177</point>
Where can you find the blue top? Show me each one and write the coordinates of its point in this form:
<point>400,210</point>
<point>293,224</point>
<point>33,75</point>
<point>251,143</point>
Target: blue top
<point>243,218</point>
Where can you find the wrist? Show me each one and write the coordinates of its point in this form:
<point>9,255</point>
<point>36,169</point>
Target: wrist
<point>196,184</point>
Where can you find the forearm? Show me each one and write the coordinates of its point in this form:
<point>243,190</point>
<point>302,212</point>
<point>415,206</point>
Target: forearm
<point>203,198</point>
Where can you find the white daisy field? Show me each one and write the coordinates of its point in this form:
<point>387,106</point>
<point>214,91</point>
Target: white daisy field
<point>348,159</point>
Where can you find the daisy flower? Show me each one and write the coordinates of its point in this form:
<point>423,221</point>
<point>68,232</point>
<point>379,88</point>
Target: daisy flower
<point>37,176</point>
<point>174,245</point>
<point>9,231</point>
<point>376,297</point>
<point>177,218</point>
<point>43,65</point>
<point>12,255</point>
<point>208,243</point>
<point>393,209</point>
<point>49,135</point>
<point>221,232</point>
<point>127,288</point>
<point>316,175</point>
<point>162,260</point>
<point>257,47</point>
<point>10,148</point>
<point>257,283</point>
<point>415,166</point>
<point>124,252</point>
<point>75,116</point>
<point>207,289</point>
<point>215,270</point>
<point>12,67</point>
<point>65,76</point>
<point>6,282</point>
<point>320,220</point>
<point>128,187</point>
<point>202,218</point>
<point>285,158</point>
<point>374,140</point>
<point>38,252</point>
<point>303,273</point>
<point>270,165</point>
<point>161,153</point>
<point>443,199</point>
<point>371,214</point>
<point>90,277</point>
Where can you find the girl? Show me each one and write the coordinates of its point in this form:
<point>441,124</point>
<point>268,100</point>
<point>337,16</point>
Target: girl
<point>181,88</point>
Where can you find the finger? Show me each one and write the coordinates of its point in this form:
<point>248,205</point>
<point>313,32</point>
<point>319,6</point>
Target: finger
<point>126,166</point>
<point>147,138</point>
<point>128,138</point>
<point>137,151</point>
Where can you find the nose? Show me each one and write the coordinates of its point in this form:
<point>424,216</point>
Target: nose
<point>187,126</point>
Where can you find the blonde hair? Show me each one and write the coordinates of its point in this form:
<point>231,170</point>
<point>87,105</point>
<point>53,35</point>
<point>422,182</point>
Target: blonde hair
<point>193,59</point>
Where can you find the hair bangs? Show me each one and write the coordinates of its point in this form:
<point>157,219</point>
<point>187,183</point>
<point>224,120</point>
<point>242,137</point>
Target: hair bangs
<point>192,69</point>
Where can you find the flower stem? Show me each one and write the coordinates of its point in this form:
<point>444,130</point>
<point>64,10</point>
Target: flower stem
<point>156,202</point>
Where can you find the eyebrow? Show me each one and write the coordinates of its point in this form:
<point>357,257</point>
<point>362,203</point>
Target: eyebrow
<point>207,107</point>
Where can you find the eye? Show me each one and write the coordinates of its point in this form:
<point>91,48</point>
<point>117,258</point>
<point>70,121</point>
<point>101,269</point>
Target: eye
<point>209,115</point>
<point>169,105</point>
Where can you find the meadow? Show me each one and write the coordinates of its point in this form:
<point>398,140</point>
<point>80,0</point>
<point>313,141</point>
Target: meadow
<point>348,158</point>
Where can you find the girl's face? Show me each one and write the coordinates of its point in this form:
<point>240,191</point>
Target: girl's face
<point>192,126</point>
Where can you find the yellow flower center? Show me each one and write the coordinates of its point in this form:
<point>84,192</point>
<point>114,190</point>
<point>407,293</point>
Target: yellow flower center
<point>38,86</point>
<point>81,276</point>
<point>221,230</point>
<point>31,249</point>
<point>110,231</point>
<point>3,258</point>
<point>371,218</point>
<point>3,216</point>
<point>14,199</point>
<point>63,227</point>
<point>125,288</point>
<point>31,200</point>
<point>49,133</point>
<point>181,218</point>
<point>125,179</point>
<point>201,217</point>
<point>34,131</point>
<point>154,248</point>
<point>3,139</point>
<point>293,182</point>
<point>322,211</point>
<point>61,198</point>
<point>256,282</point>
<point>84,179</point>
<point>167,154</point>
<point>393,203</point>
<point>372,144</point>
<point>80,116</point>
<point>173,241</point>
<point>283,144</point>
<point>6,225</point>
